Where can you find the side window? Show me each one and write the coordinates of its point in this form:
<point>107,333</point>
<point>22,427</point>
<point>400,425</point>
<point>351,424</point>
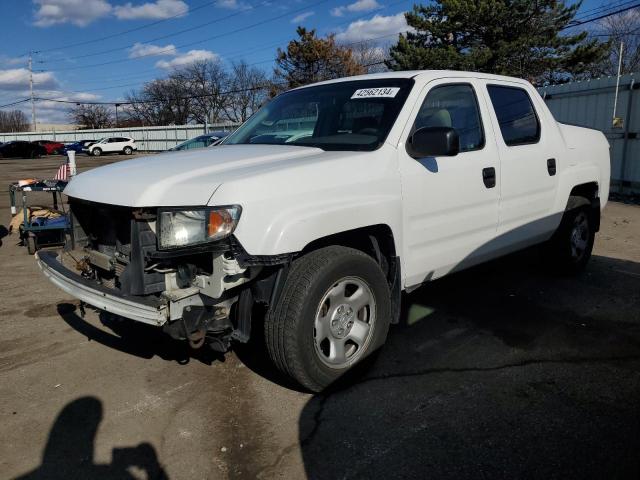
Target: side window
<point>113,140</point>
<point>518,121</point>
<point>453,106</point>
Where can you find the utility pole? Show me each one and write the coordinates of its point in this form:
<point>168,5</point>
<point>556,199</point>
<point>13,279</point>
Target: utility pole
<point>617,122</point>
<point>33,103</point>
<point>117,105</point>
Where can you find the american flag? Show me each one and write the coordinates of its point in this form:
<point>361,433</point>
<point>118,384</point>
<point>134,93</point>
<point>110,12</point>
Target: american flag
<point>63,173</point>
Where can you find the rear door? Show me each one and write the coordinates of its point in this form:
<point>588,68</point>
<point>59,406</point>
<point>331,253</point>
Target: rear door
<point>114,144</point>
<point>450,204</point>
<point>528,165</point>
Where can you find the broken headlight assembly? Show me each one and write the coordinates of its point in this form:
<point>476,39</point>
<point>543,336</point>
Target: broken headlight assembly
<point>195,226</point>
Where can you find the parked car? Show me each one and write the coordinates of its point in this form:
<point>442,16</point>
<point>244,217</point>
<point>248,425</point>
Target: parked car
<point>124,145</point>
<point>21,149</point>
<point>202,141</point>
<point>401,178</point>
<point>79,146</point>
<point>50,146</point>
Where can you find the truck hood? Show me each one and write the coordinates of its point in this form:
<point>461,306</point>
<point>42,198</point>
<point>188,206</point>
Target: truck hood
<point>181,178</point>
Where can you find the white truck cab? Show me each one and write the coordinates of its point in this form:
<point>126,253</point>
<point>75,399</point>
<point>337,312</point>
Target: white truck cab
<point>327,204</point>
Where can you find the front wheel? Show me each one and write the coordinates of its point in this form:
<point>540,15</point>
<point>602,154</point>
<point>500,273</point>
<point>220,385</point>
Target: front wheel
<point>96,152</point>
<point>333,312</point>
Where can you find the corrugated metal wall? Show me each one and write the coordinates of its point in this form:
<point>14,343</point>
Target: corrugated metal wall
<point>590,104</point>
<point>147,138</point>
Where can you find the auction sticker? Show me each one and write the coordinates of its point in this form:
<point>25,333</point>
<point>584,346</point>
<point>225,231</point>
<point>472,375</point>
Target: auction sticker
<point>380,92</point>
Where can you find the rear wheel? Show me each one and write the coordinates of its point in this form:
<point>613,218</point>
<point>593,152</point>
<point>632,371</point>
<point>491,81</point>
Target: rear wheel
<point>333,312</point>
<point>571,245</point>
<point>127,150</point>
<point>96,152</point>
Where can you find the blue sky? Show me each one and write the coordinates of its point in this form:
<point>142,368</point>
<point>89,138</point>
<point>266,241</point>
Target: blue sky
<point>101,49</point>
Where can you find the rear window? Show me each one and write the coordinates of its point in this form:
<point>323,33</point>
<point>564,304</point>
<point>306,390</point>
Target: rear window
<point>516,115</point>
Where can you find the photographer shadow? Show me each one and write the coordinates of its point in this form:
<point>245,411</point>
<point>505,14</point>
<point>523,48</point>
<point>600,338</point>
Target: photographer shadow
<point>69,451</point>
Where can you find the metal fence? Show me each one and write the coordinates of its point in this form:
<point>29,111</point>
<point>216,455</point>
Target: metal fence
<point>591,104</point>
<point>147,138</point>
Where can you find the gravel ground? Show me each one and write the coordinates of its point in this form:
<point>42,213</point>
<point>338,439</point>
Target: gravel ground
<point>503,371</point>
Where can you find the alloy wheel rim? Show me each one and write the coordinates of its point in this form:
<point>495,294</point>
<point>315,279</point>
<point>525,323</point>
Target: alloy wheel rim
<point>344,322</point>
<point>579,237</point>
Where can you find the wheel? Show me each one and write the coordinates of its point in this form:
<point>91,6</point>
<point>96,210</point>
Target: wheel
<point>127,150</point>
<point>571,245</point>
<point>96,152</point>
<point>333,312</point>
<point>32,244</point>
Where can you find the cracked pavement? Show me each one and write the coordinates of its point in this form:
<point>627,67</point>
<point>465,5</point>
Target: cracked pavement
<point>503,371</point>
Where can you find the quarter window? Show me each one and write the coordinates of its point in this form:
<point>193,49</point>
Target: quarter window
<point>517,118</point>
<point>453,106</point>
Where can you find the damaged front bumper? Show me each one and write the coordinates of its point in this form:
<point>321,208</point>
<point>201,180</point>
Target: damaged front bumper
<point>147,310</point>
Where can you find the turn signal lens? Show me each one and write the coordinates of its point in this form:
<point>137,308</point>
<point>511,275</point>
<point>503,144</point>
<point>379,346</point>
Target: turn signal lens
<point>221,222</point>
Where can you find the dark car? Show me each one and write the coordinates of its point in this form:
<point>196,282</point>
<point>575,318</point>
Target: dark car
<point>79,146</point>
<point>50,146</point>
<point>21,149</point>
<point>202,141</point>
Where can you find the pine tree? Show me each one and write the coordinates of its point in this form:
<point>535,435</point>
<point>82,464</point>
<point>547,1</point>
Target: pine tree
<point>522,38</point>
<point>310,59</point>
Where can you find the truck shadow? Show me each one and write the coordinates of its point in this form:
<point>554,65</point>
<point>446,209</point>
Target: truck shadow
<point>69,452</point>
<point>501,371</point>
<point>134,338</point>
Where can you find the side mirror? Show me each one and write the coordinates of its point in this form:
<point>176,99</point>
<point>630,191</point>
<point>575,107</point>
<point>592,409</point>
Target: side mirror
<point>433,142</point>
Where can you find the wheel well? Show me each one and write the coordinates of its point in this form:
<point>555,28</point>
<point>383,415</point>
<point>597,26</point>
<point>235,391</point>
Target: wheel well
<point>586,194</point>
<point>585,190</point>
<point>375,240</point>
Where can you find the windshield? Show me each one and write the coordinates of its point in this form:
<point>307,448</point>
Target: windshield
<point>354,115</point>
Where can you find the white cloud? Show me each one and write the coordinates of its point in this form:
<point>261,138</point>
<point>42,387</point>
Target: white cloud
<point>77,12</point>
<point>18,78</point>
<point>6,60</point>
<point>378,26</point>
<point>188,58</point>
<point>302,17</point>
<point>230,4</point>
<point>152,10</point>
<point>358,6</point>
<point>149,50</point>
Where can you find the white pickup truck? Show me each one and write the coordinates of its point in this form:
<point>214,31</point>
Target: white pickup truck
<point>327,204</point>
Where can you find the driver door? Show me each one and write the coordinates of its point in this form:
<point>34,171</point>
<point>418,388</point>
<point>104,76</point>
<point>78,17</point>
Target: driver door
<point>450,203</point>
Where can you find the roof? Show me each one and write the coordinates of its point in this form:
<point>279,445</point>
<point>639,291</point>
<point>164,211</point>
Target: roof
<point>421,74</point>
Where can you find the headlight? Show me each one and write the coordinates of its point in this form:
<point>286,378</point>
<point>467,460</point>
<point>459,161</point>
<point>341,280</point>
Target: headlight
<point>181,228</point>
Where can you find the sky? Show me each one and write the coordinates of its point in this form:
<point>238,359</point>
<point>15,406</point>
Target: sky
<point>98,50</point>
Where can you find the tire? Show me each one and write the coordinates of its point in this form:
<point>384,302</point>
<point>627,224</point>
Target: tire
<point>571,245</point>
<point>32,245</point>
<point>96,152</point>
<point>319,310</point>
<point>127,150</point>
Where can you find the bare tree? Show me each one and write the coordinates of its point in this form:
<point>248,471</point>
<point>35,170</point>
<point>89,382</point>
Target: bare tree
<point>248,90</point>
<point>162,102</point>
<point>91,116</point>
<point>370,56</point>
<point>206,81</point>
<point>13,121</point>
<point>625,28</point>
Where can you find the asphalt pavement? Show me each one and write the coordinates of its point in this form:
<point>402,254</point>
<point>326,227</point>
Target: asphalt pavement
<point>503,371</point>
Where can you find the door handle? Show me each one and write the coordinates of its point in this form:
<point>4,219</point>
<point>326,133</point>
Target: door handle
<point>489,177</point>
<point>551,166</point>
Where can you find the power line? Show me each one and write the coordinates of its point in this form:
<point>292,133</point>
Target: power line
<point>124,32</point>
<point>238,30</point>
<point>163,37</point>
<point>584,22</point>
